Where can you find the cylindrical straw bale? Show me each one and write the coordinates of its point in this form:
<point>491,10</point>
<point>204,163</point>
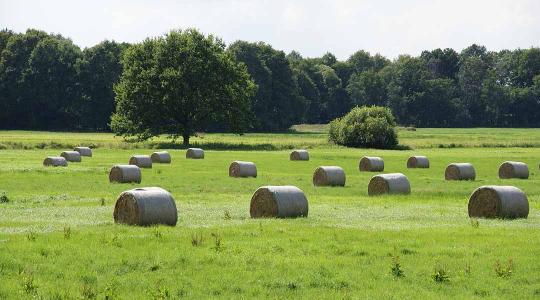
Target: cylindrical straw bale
<point>507,202</point>
<point>513,169</point>
<point>145,206</point>
<point>460,171</point>
<point>84,151</point>
<point>161,157</point>
<point>125,174</point>
<point>299,155</point>
<point>278,201</point>
<point>393,183</point>
<point>242,169</point>
<point>55,161</point>
<point>71,156</point>
<point>195,153</point>
<point>329,176</point>
<point>141,161</point>
<point>418,162</point>
<point>371,164</point>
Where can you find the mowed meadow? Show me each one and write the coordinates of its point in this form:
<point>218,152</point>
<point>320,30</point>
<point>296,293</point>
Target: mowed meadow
<point>58,239</point>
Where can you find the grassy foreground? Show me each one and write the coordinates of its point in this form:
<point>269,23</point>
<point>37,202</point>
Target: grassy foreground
<point>58,239</point>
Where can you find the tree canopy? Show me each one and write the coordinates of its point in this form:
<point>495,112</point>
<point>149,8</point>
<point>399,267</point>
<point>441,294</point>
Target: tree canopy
<point>49,83</point>
<point>277,104</point>
<point>177,84</point>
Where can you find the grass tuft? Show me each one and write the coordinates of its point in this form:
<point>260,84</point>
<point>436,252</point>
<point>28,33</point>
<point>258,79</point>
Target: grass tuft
<point>4,198</point>
<point>475,223</point>
<point>31,236</point>
<point>396,269</point>
<point>217,242</point>
<point>28,284</point>
<point>504,271</point>
<point>196,239</point>
<point>67,232</point>
<point>440,275</point>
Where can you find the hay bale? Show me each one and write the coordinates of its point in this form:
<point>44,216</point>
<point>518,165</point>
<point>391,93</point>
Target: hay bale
<point>507,202</point>
<point>460,171</point>
<point>195,153</point>
<point>71,156</point>
<point>125,174</point>
<point>55,161</point>
<point>371,164</point>
<point>84,151</point>
<point>141,161</point>
<point>299,155</point>
<point>329,176</point>
<point>418,162</point>
<point>161,157</point>
<point>278,201</point>
<point>242,169</point>
<point>513,169</point>
<point>145,206</point>
<point>393,183</point>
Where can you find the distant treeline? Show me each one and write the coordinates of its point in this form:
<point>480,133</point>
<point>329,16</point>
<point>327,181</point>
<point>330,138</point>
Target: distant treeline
<point>48,83</point>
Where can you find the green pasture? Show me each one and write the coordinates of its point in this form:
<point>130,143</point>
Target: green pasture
<point>58,239</point>
<point>301,136</point>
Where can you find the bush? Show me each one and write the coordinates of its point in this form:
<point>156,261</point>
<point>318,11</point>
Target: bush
<point>365,127</point>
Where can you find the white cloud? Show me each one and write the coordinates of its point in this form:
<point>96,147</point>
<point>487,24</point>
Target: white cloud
<point>311,27</point>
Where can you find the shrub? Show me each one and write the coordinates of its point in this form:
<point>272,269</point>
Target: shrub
<point>365,127</point>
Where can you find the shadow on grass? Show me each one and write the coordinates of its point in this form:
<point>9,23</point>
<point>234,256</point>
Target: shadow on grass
<point>222,146</point>
<point>402,147</point>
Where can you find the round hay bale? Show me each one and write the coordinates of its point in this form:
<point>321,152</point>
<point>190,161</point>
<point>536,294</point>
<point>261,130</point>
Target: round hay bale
<point>507,202</point>
<point>145,206</point>
<point>460,171</point>
<point>513,169</point>
<point>161,157</point>
<point>418,162</point>
<point>329,176</point>
<point>141,161</point>
<point>84,151</point>
<point>71,156</point>
<point>125,174</point>
<point>278,201</point>
<point>195,153</point>
<point>299,155</point>
<point>371,164</point>
<point>393,183</point>
<point>55,161</point>
<point>242,169</point>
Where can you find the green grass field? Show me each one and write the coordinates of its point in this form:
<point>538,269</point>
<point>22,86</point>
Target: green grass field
<point>58,239</point>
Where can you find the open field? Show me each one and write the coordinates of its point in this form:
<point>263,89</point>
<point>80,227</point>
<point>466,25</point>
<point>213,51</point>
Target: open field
<point>307,136</point>
<point>58,239</point>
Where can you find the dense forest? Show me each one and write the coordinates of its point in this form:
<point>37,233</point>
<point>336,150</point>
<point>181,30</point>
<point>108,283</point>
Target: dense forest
<point>48,83</point>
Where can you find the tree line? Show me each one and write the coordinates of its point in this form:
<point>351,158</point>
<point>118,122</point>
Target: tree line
<point>49,83</point>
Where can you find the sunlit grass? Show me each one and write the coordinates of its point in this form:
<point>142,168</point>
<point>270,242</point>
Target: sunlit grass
<point>345,248</point>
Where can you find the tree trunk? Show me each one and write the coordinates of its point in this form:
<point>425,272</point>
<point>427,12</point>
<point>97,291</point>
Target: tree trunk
<point>186,140</point>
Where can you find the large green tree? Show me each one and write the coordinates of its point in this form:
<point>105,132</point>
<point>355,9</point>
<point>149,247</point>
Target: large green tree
<point>178,83</point>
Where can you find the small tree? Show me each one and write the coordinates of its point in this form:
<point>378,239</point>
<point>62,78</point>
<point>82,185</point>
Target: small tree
<point>177,84</point>
<point>365,127</point>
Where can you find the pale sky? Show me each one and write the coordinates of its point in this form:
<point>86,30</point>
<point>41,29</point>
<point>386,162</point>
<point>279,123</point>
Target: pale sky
<point>311,27</point>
